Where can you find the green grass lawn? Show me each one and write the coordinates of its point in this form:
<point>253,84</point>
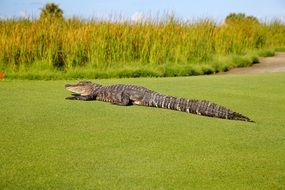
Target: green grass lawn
<point>47,142</point>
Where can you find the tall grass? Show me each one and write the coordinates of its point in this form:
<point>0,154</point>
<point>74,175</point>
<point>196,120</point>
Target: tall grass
<point>77,48</point>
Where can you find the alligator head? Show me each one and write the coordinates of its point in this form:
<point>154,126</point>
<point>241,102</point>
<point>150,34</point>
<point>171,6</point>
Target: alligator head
<point>83,88</point>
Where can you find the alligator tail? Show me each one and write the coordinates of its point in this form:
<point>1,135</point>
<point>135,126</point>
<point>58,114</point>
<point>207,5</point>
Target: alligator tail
<point>200,107</point>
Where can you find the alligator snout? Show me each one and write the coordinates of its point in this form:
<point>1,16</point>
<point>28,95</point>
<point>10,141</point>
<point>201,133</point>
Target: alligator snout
<point>67,85</point>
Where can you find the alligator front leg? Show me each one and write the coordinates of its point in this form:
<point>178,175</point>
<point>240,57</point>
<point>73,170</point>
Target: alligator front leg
<point>79,97</point>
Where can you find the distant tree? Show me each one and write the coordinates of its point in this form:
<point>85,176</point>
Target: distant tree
<point>253,19</point>
<point>237,17</point>
<point>51,11</point>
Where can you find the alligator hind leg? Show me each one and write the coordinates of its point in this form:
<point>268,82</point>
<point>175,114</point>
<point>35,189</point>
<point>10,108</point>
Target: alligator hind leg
<point>122,100</point>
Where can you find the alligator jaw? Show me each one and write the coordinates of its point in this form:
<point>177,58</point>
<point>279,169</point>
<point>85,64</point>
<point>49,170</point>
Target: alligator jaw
<point>82,88</point>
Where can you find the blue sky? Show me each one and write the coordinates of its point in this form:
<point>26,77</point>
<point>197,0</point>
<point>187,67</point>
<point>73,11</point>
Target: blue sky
<point>136,9</point>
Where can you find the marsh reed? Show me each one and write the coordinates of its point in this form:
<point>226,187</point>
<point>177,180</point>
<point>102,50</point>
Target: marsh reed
<point>76,48</point>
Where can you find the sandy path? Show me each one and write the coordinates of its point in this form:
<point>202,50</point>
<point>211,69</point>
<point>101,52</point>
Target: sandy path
<point>266,65</point>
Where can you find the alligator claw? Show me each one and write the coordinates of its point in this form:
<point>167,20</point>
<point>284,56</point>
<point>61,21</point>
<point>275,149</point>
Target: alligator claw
<point>71,98</point>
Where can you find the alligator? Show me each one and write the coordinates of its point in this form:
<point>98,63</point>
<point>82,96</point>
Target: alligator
<point>122,94</point>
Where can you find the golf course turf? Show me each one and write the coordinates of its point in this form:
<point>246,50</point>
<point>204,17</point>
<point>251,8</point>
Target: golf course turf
<point>48,142</point>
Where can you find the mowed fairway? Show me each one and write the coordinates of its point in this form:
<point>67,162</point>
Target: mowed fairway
<point>47,142</point>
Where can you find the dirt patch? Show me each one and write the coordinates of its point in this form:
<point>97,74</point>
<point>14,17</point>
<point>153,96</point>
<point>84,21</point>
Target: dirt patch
<point>266,65</point>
